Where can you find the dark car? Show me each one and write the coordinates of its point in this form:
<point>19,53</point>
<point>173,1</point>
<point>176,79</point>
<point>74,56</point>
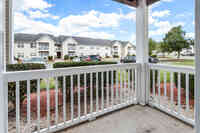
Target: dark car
<point>132,59</point>
<point>91,58</point>
<point>129,59</point>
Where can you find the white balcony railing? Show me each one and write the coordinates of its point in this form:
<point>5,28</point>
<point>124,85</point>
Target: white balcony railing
<point>172,91</point>
<point>78,94</point>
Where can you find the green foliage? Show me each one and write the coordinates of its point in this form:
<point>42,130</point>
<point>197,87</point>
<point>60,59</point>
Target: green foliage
<point>66,57</point>
<point>154,56</point>
<point>115,56</point>
<point>175,40</point>
<point>24,67</point>
<point>23,84</point>
<point>183,82</point>
<point>152,46</point>
<point>50,58</point>
<point>77,64</point>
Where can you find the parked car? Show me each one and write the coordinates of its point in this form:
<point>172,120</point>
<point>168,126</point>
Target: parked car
<point>132,59</point>
<point>35,60</point>
<point>91,58</point>
<point>76,59</point>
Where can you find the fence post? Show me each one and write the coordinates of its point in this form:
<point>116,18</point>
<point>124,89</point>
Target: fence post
<point>142,48</point>
<point>197,65</point>
<point>3,98</point>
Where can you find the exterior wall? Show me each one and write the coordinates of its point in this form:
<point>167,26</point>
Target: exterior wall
<point>128,50</point>
<point>117,49</point>
<point>65,46</point>
<point>51,45</point>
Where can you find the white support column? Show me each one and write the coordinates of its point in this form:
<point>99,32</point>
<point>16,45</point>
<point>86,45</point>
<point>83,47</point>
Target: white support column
<point>142,48</point>
<point>3,101</point>
<point>197,65</point>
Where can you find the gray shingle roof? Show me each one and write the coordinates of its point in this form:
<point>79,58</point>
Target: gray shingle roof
<point>20,37</point>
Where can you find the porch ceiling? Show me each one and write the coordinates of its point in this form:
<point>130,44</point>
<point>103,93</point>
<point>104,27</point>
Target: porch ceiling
<point>134,3</point>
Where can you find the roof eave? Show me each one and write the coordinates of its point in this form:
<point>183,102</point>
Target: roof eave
<point>134,3</point>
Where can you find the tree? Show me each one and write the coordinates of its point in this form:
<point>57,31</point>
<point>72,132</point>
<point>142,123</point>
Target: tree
<point>163,48</point>
<point>152,46</point>
<point>176,40</point>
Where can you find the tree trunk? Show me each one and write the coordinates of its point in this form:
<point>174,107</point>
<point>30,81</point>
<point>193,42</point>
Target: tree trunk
<point>179,53</point>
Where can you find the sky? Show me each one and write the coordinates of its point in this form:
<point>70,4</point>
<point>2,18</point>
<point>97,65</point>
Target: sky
<point>104,19</point>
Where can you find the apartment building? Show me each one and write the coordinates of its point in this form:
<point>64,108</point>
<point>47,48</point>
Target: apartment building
<point>44,45</point>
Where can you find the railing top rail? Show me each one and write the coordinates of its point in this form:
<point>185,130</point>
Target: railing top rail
<point>46,73</point>
<point>172,68</point>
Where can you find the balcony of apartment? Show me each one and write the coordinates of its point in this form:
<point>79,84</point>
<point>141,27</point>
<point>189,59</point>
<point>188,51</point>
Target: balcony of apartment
<point>128,98</point>
<point>58,49</point>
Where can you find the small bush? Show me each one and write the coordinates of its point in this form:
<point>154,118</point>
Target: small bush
<point>23,84</point>
<point>66,57</point>
<point>77,64</point>
<point>115,56</point>
<point>50,58</point>
<point>154,56</point>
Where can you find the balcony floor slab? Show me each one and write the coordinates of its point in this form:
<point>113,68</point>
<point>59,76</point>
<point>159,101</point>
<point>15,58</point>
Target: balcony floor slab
<point>135,119</point>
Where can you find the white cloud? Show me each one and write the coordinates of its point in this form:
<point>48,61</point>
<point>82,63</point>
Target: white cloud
<point>162,27</point>
<point>167,0</point>
<point>39,14</point>
<point>21,5</point>
<point>190,35</point>
<point>163,13</point>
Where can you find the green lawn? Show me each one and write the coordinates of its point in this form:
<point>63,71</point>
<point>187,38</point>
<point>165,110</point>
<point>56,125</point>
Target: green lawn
<point>182,63</point>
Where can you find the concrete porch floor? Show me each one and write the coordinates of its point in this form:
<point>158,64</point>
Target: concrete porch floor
<point>135,119</point>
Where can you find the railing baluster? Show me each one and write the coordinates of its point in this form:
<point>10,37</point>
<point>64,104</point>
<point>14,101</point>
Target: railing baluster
<point>28,104</point>
<point>121,85</point>
<point>85,93</point>
<point>187,93</point>
<point>72,98</point>
<point>97,92</point>
<point>17,107</point>
<point>159,87</point>
<point>102,90</point>
<point>179,92</point>
<point>107,88</point>
<point>79,98</point>
<point>117,87</point>
<point>154,87</point>
<point>172,90</point>
<point>133,85</point>
<point>124,89</point>
<point>48,105</point>
<point>38,105</point>
<point>91,93</point>
<point>56,100</point>
<point>165,84</point>
<point>129,89</point>
<point>64,99</point>
<point>112,89</point>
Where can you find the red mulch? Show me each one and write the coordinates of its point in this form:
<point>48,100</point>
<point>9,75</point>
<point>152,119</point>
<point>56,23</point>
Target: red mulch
<point>175,91</point>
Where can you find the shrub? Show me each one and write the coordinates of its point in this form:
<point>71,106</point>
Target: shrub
<point>133,55</point>
<point>50,58</point>
<point>77,64</point>
<point>154,56</point>
<point>183,82</point>
<point>66,57</point>
<point>23,84</point>
<point>115,56</point>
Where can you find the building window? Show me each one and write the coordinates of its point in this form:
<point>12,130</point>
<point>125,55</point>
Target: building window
<point>20,55</point>
<point>98,48</point>
<point>43,46</point>
<point>20,45</point>
<point>44,54</point>
<point>106,48</point>
<point>33,54</point>
<point>33,45</point>
<point>91,47</point>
